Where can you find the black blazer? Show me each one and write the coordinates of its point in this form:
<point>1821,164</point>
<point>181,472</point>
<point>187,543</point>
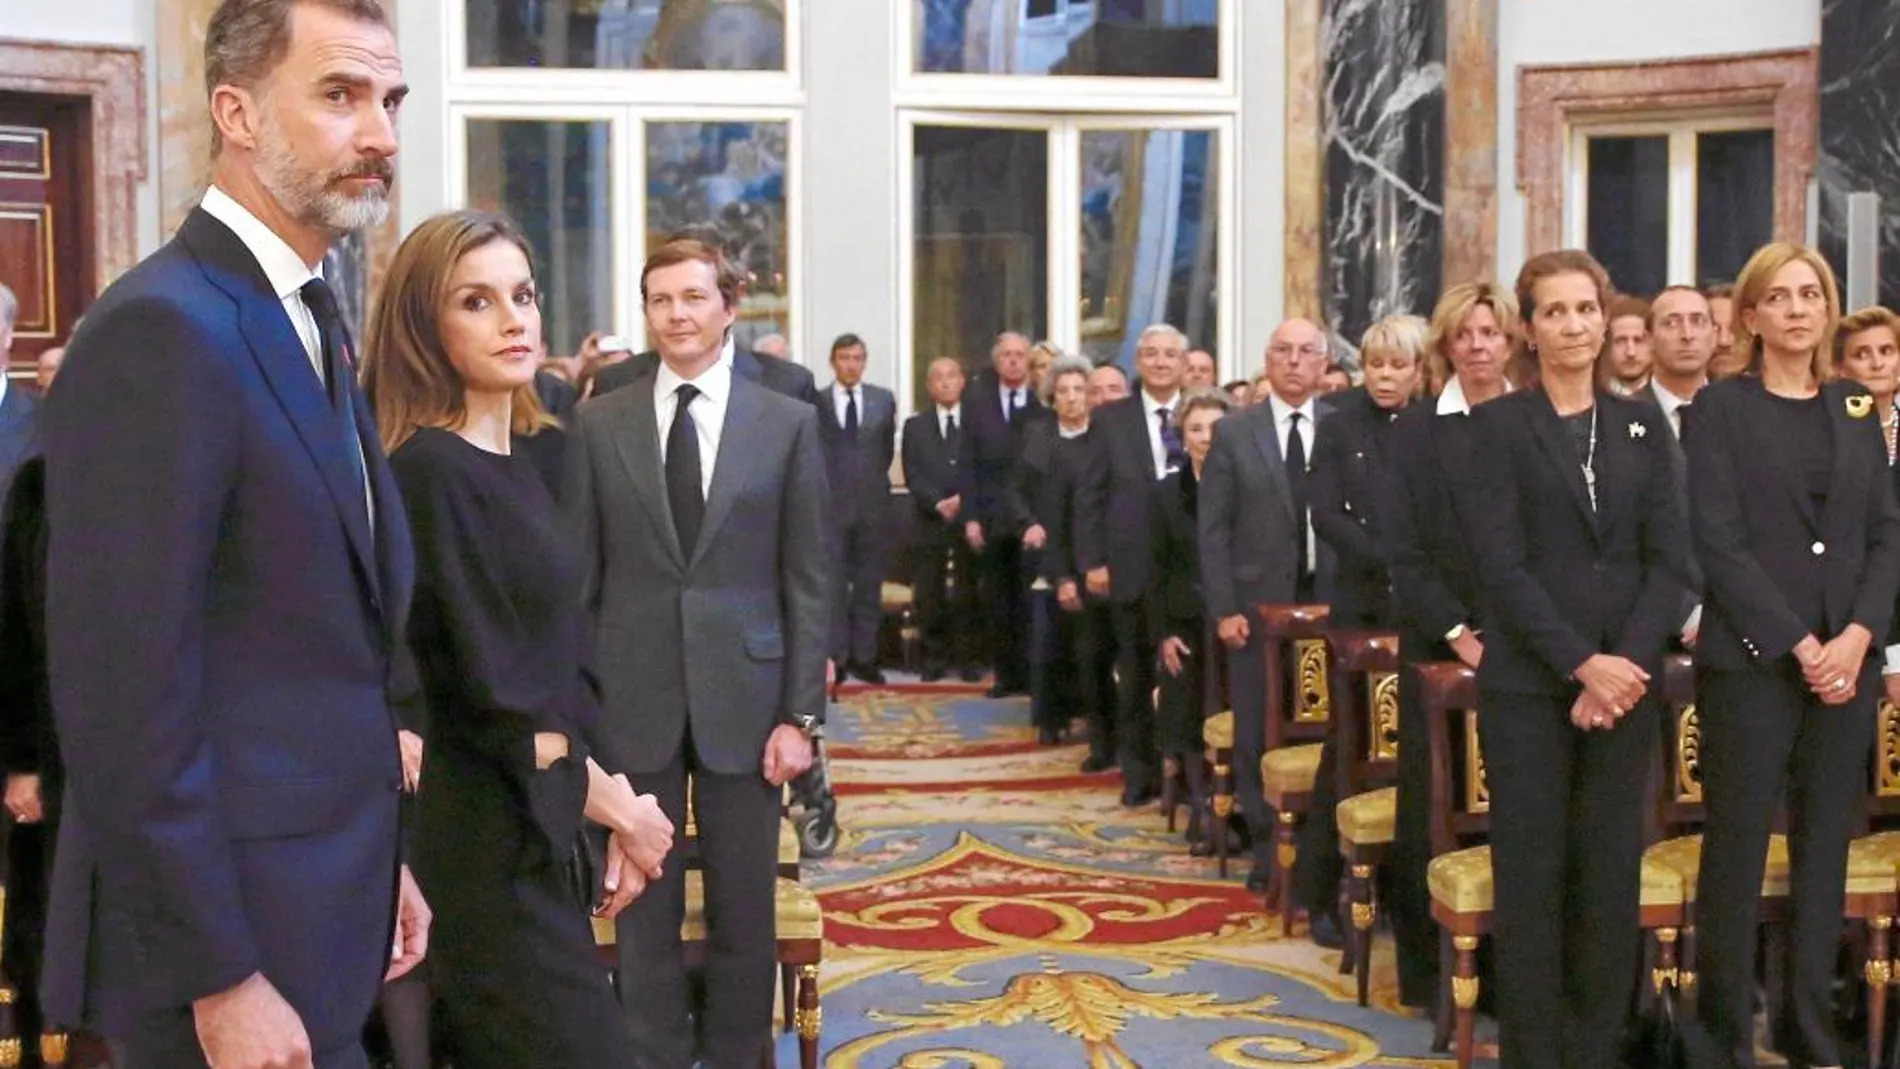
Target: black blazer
<point>1343,487</point>
<point>1562,581</point>
<point>1434,571</point>
<point>859,471</point>
<point>1174,582</point>
<point>1069,463</point>
<point>990,449</point>
<point>930,462</point>
<point>779,376</point>
<point>1776,572</point>
<point>28,742</point>
<point>558,396</point>
<point>1115,509</point>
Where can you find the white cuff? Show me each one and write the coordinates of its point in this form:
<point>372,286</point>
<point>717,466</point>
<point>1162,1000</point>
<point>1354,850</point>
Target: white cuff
<point>1892,667</point>
<point>1694,623</point>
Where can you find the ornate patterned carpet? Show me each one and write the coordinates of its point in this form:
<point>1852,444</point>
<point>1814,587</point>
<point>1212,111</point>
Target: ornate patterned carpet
<point>989,907</point>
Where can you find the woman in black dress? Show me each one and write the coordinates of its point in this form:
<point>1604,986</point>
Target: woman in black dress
<point>1175,609</point>
<point>498,640</point>
<point>1792,507</point>
<point>1573,510</point>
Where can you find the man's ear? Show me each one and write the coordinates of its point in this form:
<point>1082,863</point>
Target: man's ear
<point>236,112</point>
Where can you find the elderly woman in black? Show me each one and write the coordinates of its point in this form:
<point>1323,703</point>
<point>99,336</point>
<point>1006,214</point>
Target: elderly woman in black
<point>1573,510</point>
<point>1793,511</point>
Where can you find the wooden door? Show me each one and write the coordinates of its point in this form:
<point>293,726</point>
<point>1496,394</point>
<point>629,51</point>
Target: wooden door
<point>46,231</point>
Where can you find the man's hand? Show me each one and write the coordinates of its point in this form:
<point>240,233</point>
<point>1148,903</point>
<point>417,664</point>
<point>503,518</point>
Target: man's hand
<point>1469,649</point>
<point>250,1026</point>
<point>623,881</point>
<point>787,755</point>
<point>1234,631</point>
<point>23,797</point>
<point>410,745</point>
<point>1069,596</point>
<point>1035,537</point>
<point>949,507</point>
<point>973,534</point>
<point>1615,681</point>
<point>412,929</point>
<point>1098,581</point>
<point>648,837</point>
<point>1174,649</point>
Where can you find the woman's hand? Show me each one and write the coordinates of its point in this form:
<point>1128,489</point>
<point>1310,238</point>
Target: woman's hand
<point>1174,650</point>
<point>1834,672</point>
<point>622,882</point>
<point>1614,681</point>
<point>1588,713</point>
<point>636,818</point>
<point>409,745</point>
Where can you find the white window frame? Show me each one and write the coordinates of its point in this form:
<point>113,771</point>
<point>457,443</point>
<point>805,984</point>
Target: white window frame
<point>1681,129</point>
<point>627,133</point>
<point>1065,213</point>
<point>580,85</point>
<point>1046,93</point>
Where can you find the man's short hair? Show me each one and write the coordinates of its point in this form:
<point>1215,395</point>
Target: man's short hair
<point>845,341</point>
<point>692,250</point>
<point>1163,328</point>
<point>1629,308</point>
<point>9,308</point>
<point>246,40</point>
<point>1719,291</point>
<point>1649,321</point>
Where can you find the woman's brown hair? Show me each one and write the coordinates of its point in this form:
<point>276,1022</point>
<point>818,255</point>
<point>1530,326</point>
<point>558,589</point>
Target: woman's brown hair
<point>1547,265</point>
<point>1450,314</point>
<point>406,373</point>
<point>1752,285</point>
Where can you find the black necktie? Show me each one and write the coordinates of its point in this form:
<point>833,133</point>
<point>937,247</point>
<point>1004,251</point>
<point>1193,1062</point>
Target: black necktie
<point>1015,403</point>
<point>683,490</point>
<point>851,414</point>
<point>1296,483</point>
<point>950,431</point>
<point>1170,438</point>
<point>338,368</point>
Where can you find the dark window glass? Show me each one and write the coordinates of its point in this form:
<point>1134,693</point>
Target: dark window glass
<point>1629,210</point>
<point>1735,199</point>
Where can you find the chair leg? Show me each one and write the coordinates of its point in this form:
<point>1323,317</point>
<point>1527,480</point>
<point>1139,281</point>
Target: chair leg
<point>810,1017</point>
<point>1879,972</point>
<point>1286,853</point>
<point>1342,908</point>
<point>1223,805</point>
<point>1441,1027</point>
<point>1666,975</point>
<point>788,985</point>
<point>1170,790</point>
<point>1464,996</point>
<point>1365,913</point>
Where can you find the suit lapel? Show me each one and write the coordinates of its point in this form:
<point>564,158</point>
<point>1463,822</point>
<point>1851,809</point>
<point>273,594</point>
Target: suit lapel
<point>732,468</point>
<point>1620,479</point>
<point>637,438</point>
<point>1266,433</point>
<point>1554,438</point>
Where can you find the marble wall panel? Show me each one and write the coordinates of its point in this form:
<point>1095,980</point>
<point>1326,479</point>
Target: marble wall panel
<point>1305,159</point>
<point>1860,127</point>
<point>1471,133</point>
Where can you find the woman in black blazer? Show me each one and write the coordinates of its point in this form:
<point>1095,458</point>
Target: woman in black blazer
<point>1175,608</point>
<point>1033,503</point>
<point>1573,509</point>
<point>1434,580</point>
<point>1867,350</point>
<point>1793,513</point>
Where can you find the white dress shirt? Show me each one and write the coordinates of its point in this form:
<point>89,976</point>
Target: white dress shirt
<point>1670,404</point>
<point>1003,396</point>
<point>1283,426</point>
<point>1149,404</point>
<point>945,415</point>
<point>841,395</point>
<point>709,411</point>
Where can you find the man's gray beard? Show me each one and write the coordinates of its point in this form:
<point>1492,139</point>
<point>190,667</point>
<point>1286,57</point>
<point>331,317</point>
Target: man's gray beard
<point>308,198</point>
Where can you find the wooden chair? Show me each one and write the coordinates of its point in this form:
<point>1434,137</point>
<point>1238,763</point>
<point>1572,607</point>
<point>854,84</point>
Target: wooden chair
<point>1298,712</point>
<point>1217,733</point>
<point>1873,879</point>
<point>1366,764</point>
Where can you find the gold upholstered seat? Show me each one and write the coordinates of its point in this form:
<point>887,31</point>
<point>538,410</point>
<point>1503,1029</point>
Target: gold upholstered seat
<point>1289,770</point>
<point>1369,818</point>
<point>1873,864</point>
<point>1683,856</point>
<point>1217,731</point>
<point>1461,882</point>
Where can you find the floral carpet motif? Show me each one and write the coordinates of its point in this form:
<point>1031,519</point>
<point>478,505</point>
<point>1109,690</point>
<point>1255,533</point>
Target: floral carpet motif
<point>990,907</point>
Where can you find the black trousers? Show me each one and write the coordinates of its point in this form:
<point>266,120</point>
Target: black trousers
<point>1408,900</point>
<point>857,584</point>
<point>1765,736</point>
<point>737,819</point>
<point>1566,848</point>
<point>1090,636</point>
<point>945,596</point>
<point>1135,716</point>
<point>23,935</point>
<point>1319,868</point>
<point>1005,590</point>
<point>1247,689</point>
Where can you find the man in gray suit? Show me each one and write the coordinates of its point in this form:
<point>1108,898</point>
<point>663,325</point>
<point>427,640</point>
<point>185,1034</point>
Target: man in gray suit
<point>1257,545</point>
<point>858,424</point>
<point>700,500</point>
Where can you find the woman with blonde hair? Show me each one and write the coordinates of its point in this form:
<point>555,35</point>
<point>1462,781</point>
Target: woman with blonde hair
<point>498,639</point>
<point>1792,507</point>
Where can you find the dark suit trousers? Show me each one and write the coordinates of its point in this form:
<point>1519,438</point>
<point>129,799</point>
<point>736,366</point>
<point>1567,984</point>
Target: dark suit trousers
<point>1054,678</point>
<point>23,936</point>
<point>1005,587</point>
<point>1567,848</point>
<point>1135,711</point>
<point>1090,636</point>
<point>1408,899</point>
<point>1247,689</point>
<point>944,589</point>
<point>1763,732</point>
<point>1317,872</point>
<point>857,584</point>
<point>737,819</point>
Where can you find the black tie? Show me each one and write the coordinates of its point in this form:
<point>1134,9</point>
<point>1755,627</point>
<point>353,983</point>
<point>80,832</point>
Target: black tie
<point>338,368</point>
<point>851,414</point>
<point>1296,484</point>
<point>683,491</point>
<point>1170,439</point>
<point>1015,403</point>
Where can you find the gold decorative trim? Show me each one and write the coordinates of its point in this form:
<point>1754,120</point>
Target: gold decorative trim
<point>1477,791</point>
<point>1363,915</point>
<point>1879,973</point>
<point>10,1053</point>
<point>1464,991</point>
<point>808,1022</point>
<point>1223,806</point>
<point>1314,703</point>
<point>1362,872</point>
<point>1464,942</point>
<point>1688,755</point>
<point>33,135</point>
<point>1887,757</point>
<point>1382,742</point>
<point>53,1046</point>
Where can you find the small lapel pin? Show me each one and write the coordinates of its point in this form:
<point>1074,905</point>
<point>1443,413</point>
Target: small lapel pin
<point>1637,430</point>
<point>1860,406</point>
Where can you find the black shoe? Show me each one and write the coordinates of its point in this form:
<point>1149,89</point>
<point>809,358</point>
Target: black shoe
<point>869,673</point>
<point>970,675</point>
<point>932,675</point>
<point>1260,877</point>
<point>1097,763</point>
<point>1049,736</point>
<point>1137,796</point>
<point>1324,932</point>
<point>1007,690</point>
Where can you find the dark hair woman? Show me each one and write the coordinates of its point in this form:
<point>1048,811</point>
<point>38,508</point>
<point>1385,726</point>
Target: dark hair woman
<point>1792,507</point>
<point>1573,510</point>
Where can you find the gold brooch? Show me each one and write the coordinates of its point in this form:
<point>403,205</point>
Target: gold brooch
<point>1860,406</point>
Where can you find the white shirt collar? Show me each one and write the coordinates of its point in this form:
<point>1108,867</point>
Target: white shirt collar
<point>1283,411</point>
<point>1452,402</point>
<point>1666,399</point>
<point>841,391</point>
<point>955,411</point>
<point>282,266</point>
<point>1076,433</point>
<point>727,349</point>
<point>1154,402</point>
<point>714,383</point>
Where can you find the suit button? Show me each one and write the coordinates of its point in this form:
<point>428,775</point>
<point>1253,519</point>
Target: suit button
<point>1818,548</point>
<point>1600,567</point>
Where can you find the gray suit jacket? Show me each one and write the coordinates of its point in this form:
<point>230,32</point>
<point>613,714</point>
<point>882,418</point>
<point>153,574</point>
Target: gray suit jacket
<point>1247,521</point>
<point>728,635</point>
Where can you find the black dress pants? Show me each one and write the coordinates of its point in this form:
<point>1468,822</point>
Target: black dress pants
<point>857,588</point>
<point>1135,716</point>
<point>1090,634</point>
<point>945,596</point>
<point>1765,737</point>
<point>1566,848</point>
<point>1247,689</point>
<point>1408,900</point>
<point>1005,588</point>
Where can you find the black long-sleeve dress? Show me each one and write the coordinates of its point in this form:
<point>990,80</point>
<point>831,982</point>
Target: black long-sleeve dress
<point>1175,611</point>
<point>499,642</point>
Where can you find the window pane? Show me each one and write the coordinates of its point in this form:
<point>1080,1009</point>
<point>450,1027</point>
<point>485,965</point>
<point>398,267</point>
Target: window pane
<point>1735,200</point>
<point>1119,38</point>
<point>1629,210</point>
<point>1149,213</point>
<point>725,181</point>
<point>555,179</point>
<point>665,35</point>
<point>981,251</point>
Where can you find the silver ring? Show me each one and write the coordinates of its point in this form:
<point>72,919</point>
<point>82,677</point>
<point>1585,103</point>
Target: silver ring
<point>1840,684</point>
<point>1597,722</point>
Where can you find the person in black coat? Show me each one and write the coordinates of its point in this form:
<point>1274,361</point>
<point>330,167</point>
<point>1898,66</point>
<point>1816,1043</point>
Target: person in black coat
<point>29,744</point>
<point>499,644</point>
<point>1792,507</point>
<point>1434,582</point>
<point>857,424</point>
<point>1059,689</point>
<point>1349,449</point>
<point>1177,614</point>
<point>1573,508</point>
<point>995,406</point>
<point>943,583</point>
<point>1867,350</point>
